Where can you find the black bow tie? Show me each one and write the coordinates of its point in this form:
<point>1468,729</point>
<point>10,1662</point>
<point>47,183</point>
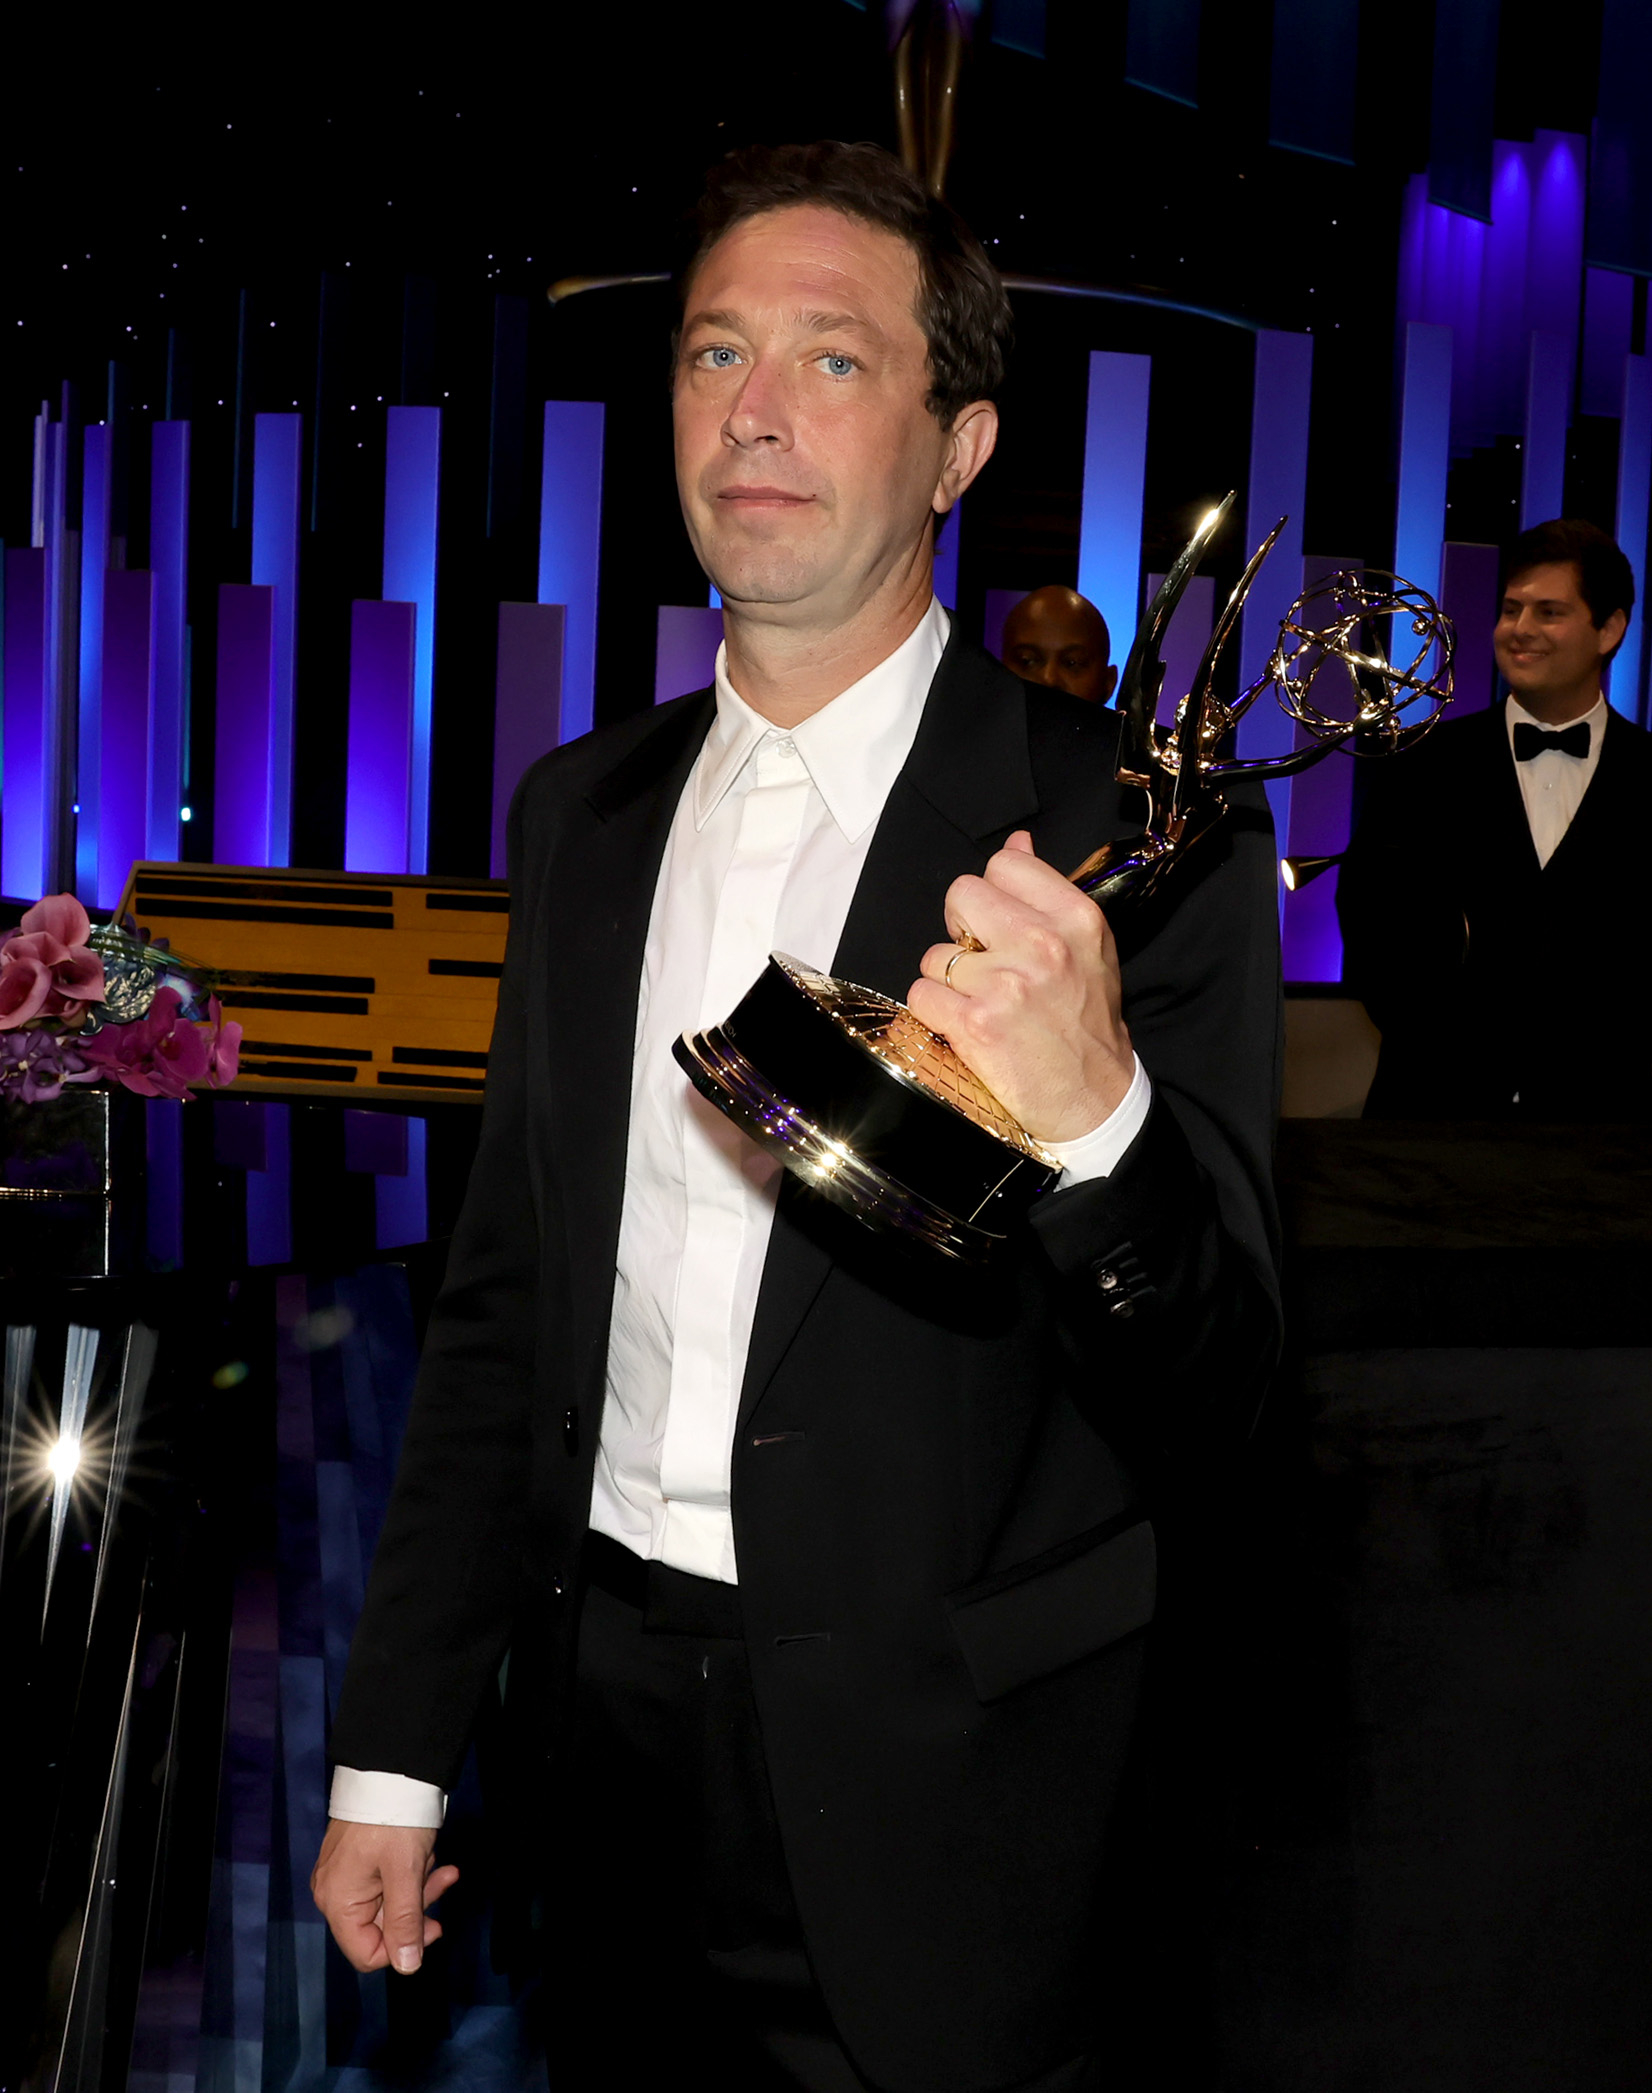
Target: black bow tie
<point>1537,741</point>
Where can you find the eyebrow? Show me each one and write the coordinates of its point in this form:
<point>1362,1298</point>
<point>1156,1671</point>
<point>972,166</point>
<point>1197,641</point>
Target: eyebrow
<point>810,322</point>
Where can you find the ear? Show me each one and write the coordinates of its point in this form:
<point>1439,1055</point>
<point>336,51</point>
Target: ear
<point>1613,630</point>
<point>970,443</point>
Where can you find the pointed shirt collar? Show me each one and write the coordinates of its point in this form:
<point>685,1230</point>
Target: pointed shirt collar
<point>853,748</point>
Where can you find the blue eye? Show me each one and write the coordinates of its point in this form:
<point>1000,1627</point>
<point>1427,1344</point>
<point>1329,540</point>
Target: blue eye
<point>721,358</point>
<point>838,366</point>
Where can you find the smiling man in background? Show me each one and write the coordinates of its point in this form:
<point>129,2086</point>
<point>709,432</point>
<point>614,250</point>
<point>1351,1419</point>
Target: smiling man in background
<point>823,1570</point>
<point>1489,898</point>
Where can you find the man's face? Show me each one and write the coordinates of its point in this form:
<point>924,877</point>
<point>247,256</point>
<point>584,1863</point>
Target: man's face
<point>807,462</point>
<point>1548,647</point>
<point>1055,637</point>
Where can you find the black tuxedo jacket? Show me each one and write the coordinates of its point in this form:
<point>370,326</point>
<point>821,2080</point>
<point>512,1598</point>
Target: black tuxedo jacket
<point>1502,988</point>
<point>944,1564</point>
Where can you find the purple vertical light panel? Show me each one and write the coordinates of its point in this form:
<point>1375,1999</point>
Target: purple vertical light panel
<point>1320,800</point>
<point>241,823</point>
<point>378,783</point>
<point>401,1199</point>
<point>1468,596</point>
<point>94,558</point>
<point>1115,468</point>
<point>570,538</point>
<point>269,1193</point>
<point>685,649</point>
<point>164,1183</point>
<point>1000,602</point>
<point>945,576</point>
<point>169,562</point>
<point>1186,639</point>
<point>1281,396</point>
<point>23,819</point>
<point>1608,322</point>
<point>527,706</point>
<point>123,748</point>
<point>62,659</point>
<point>1543,451</point>
<point>412,476</point>
<point>1627,676</point>
<point>276,455</point>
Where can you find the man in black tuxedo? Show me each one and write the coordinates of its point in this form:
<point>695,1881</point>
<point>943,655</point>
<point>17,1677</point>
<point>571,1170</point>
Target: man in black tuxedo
<point>823,1569</point>
<point>1487,897</point>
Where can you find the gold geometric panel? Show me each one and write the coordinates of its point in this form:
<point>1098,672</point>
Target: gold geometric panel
<point>346,984</point>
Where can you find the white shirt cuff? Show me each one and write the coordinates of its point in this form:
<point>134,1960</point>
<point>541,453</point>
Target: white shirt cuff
<point>1097,1153</point>
<point>385,1798</point>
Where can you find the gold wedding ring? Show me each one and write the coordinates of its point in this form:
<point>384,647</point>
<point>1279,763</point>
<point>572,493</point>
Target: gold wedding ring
<point>966,945</point>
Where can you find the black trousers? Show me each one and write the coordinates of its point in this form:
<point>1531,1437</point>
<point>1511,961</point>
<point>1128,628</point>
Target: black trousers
<point>687,1949</point>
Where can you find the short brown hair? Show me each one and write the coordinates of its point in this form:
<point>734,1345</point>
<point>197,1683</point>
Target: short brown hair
<point>1605,579</point>
<point>962,306</point>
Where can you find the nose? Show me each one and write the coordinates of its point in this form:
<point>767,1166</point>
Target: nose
<point>759,413</point>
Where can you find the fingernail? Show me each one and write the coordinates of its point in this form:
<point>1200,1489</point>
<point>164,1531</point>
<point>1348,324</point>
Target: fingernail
<point>407,1960</point>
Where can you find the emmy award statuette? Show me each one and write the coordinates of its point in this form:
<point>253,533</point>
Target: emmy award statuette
<point>877,1113</point>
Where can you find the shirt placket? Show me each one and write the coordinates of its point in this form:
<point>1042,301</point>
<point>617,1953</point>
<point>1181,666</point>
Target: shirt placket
<point>723,1204</point>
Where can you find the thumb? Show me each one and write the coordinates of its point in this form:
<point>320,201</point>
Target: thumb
<point>1021,840</point>
<point>402,1923</point>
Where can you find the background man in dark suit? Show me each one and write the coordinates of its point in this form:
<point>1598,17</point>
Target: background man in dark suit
<point>822,1569</point>
<point>1058,637</point>
<point>1489,898</point>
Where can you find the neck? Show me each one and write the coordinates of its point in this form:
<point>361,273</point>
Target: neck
<point>788,672</point>
<point>1560,708</point>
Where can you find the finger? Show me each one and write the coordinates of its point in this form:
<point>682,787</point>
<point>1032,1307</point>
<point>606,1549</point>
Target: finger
<point>1020,840</point>
<point>1016,870</point>
<point>933,1004</point>
<point>948,964</point>
<point>403,1921</point>
<point>990,913</point>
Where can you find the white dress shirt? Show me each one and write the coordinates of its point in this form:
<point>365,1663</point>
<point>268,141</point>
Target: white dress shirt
<point>764,854</point>
<point>1553,784</point>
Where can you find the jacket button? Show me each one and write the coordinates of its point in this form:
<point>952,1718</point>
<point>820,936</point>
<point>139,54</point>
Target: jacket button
<point>1107,1280</point>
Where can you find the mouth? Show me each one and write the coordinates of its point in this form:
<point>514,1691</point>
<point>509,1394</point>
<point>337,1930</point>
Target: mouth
<point>764,498</point>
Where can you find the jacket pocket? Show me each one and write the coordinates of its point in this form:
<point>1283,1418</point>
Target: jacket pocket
<point>1065,1604</point>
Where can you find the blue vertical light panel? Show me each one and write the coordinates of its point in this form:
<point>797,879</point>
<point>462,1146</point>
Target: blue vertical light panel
<point>169,563</point>
<point>1628,671</point>
<point>1543,450</point>
<point>944,578</point>
<point>570,534</point>
<point>1425,454</point>
<point>1161,49</point>
<point>1315,73</point>
<point>128,701</point>
<point>1465,79</point>
<point>412,474</point>
<point>61,656</point>
<point>1115,467</point>
<point>23,830</point>
<point>276,450</point>
<point>1620,161</point>
<point>94,558</point>
<point>244,705</point>
<point>1281,397</point>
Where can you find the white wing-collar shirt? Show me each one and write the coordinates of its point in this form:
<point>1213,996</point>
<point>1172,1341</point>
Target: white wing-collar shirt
<point>1552,785</point>
<point>764,854</point>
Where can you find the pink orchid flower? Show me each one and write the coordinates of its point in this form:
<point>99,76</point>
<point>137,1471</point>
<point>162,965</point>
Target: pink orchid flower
<point>56,972</point>
<point>161,1055</point>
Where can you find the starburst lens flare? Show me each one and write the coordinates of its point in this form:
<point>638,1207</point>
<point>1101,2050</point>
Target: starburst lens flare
<point>63,1460</point>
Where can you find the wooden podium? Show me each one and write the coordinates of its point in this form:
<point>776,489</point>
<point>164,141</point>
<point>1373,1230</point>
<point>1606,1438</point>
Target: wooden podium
<point>373,987</point>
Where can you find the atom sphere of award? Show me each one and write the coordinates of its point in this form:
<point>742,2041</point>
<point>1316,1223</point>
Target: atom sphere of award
<point>873,1110</point>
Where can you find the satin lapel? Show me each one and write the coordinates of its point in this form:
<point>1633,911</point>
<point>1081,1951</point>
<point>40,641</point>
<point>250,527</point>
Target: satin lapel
<point>1509,833</point>
<point>967,783</point>
<point>604,872</point>
<point>1606,808</point>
